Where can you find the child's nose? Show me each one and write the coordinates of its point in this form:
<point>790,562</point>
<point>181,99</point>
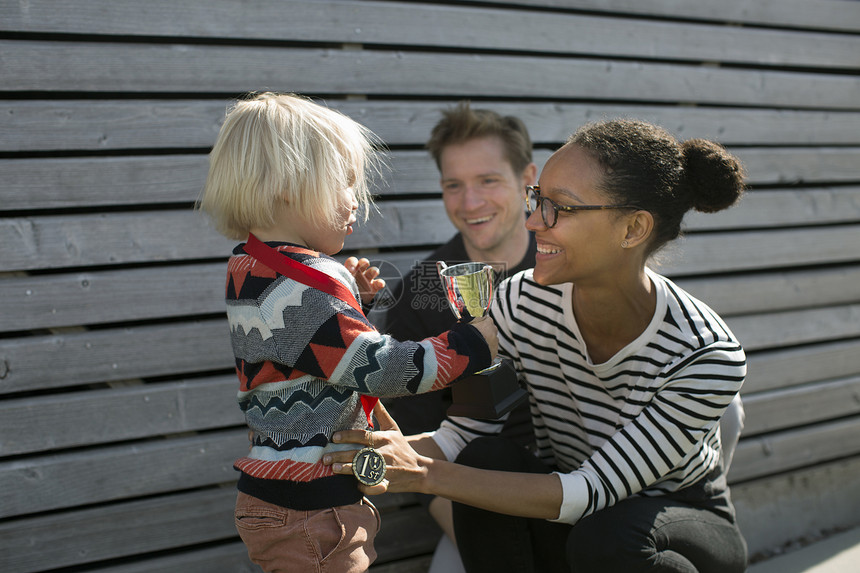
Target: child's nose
<point>353,201</point>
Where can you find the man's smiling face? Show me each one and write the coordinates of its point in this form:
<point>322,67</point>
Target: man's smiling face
<point>483,196</point>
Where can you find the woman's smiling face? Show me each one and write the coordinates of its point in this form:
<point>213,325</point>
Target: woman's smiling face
<point>583,246</point>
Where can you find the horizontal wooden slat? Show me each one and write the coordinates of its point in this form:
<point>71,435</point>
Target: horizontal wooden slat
<point>771,454</point>
<point>404,223</point>
<point>142,68</point>
<point>86,240</point>
<point>774,291</point>
<point>799,165</point>
<point>783,208</point>
<point>774,330</point>
<point>801,405</point>
<point>797,505</point>
<point>117,530</point>
<point>719,252</point>
<point>267,22</point>
<point>31,425</point>
<point>58,481</point>
<point>395,263</point>
<point>48,125</point>
<point>74,358</point>
<point>825,14</point>
<point>418,24</point>
<point>31,184</point>
<point>229,557</point>
<point>102,181</point>
<point>793,366</point>
<point>109,125</point>
<point>112,296</point>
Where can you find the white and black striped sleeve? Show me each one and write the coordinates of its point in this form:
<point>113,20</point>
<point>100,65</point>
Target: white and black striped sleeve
<point>663,439</point>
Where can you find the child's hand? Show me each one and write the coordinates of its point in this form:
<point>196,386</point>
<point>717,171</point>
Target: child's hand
<point>366,278</point>
<point>488,330</point>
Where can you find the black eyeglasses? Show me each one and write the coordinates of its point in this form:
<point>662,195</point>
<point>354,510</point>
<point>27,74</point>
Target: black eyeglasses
<point>549,209</point>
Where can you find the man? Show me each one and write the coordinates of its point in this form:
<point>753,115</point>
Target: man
<point>485,163</point>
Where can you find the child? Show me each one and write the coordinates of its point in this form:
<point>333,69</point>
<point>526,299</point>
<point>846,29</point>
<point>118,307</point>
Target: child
<point>289,175</point>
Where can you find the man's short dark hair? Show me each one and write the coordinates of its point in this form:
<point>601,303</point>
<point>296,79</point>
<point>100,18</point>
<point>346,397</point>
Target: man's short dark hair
<point>462,123</point>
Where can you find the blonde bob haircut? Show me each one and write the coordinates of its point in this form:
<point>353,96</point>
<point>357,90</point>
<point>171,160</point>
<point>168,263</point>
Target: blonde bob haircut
<point>275,148</point>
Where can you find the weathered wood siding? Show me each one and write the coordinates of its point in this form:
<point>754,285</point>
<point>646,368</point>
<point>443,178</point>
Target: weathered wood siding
<point>118,425</point>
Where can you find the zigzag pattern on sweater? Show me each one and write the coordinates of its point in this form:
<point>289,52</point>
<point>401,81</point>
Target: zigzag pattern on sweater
<point>265,401</point>
<point>304,358</point>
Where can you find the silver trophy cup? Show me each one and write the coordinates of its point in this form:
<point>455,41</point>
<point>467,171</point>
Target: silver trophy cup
<point>468,288</point>
<point>494,391</point>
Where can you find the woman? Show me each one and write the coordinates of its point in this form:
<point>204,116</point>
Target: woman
<point>628,376</point>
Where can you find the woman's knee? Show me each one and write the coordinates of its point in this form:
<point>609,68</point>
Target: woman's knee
<point>596,542</point>
<point>614,538</point>
<point>645,534</point>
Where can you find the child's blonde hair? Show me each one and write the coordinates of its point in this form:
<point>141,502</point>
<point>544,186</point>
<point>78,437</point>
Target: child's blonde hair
<point>283,147</point>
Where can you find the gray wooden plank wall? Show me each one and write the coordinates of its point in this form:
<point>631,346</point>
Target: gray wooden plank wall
<point>118,425</point>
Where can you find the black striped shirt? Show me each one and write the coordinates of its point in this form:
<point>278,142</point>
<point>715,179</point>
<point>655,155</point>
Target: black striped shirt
<point>644,422</point>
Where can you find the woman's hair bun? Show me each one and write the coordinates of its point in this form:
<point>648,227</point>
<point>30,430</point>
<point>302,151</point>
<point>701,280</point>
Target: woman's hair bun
<point>713,177</point>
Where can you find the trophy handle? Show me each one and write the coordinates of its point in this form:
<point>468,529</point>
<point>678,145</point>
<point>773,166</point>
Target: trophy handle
<point>491,288</point>
<point>440,266</point>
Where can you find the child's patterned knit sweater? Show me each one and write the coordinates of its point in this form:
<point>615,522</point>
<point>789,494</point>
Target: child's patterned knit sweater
<point>303,358</point>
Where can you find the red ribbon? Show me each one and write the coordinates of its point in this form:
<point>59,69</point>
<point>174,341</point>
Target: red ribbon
<point>313,278</point>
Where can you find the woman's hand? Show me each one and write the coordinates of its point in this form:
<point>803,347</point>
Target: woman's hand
<point>513,493</point>
<point>365,276</point>
<point>405,469</point>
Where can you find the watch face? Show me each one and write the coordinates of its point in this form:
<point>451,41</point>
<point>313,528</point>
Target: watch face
<point>368,465</point>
